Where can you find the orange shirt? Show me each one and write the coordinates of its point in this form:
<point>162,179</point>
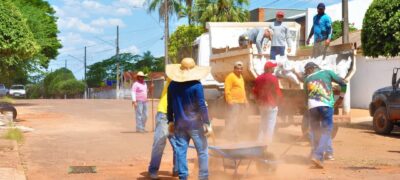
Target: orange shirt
<point>234,89</point>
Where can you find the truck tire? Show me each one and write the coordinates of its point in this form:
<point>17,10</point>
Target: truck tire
<point>381,123</point>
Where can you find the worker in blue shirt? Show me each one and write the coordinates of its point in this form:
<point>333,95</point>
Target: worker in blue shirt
<point>322,31</point>
<point>187,114</point>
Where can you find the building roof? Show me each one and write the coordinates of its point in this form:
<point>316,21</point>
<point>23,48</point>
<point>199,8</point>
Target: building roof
<point>270,13</point>
<point>354,37</point>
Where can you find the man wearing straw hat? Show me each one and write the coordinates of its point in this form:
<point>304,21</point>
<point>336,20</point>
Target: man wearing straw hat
<point>139,101</point>
<point>188,114</point>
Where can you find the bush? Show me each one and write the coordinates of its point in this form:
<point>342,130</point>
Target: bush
<point>34,91</point>
<point>70,87</point>
<point>380,34</point>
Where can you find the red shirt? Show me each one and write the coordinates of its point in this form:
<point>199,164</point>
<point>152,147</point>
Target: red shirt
<point>266,90</point>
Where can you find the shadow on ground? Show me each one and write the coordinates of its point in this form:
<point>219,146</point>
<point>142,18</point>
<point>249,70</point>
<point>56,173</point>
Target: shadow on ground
<point>166,175</point>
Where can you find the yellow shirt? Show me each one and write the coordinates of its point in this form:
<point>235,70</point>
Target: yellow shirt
<point>162,105</point>
<point>234,89</point>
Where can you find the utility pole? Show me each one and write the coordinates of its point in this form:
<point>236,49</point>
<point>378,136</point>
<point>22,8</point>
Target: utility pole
<point>117,59</point>
<point>65,64</point>
<point>345,16</point>
<point>84,64</point>
<point>166,32</point>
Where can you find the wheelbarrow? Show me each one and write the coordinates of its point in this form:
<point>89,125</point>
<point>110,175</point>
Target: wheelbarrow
<point>233,155</point>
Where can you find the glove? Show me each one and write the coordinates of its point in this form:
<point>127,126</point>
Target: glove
<point>207,129</point>
<point>171,128</point>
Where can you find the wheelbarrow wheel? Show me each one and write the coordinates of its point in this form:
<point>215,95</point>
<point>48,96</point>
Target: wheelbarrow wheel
<point>266,166</point>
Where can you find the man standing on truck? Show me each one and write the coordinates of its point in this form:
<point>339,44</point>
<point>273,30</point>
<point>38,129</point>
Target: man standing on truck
<point>318,88</point>
<point>257,35</point>
<point>268,95</point>
<point>281,35</point>
<point>235,96</point>
<point>188,114</point>
<point>322,31</point>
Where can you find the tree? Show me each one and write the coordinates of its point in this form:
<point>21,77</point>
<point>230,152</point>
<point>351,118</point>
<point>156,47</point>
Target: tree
<point>42,22</point>
<point>221,11</point>
<point>186,10</point>
<point>106,69</point>
<point>337,29</point>
<point>380,35</point>
<point>174,7</point>
<point>62,82</point>
<point>17,43</point>
<point>181,40</point>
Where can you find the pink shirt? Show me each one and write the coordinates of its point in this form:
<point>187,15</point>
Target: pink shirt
<point>139,91</point>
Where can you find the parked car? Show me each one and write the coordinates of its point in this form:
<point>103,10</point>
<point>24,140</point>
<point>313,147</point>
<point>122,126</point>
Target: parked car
<point>3,90</point>
<point>17,91</point>
<point>385,106</point>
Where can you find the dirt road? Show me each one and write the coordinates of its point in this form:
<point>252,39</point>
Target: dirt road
<point>101,133</point>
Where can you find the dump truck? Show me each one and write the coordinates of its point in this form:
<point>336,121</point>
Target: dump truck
<point>219,49</point>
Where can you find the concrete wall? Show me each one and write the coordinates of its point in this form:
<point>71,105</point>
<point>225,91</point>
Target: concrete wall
<point>371,74</point>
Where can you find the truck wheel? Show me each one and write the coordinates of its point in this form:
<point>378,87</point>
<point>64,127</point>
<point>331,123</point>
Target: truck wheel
<point>381,123</point>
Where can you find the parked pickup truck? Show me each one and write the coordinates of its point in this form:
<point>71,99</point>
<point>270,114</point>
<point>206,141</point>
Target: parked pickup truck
<point>385,106</point>
<point>17,91</point>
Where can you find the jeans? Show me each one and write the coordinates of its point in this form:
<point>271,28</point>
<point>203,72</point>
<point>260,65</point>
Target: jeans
<point>160,138</point>
<point>141,115</point>
<point>276,50</point>
<point>232,123</point>
<point>200,142</point>
<point>267,124</point>
<point>306,121</point>
<point>321,124</point>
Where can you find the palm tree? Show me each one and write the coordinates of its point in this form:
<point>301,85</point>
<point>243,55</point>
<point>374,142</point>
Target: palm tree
<point>174,7</point>
<point>187,11</point>
<point>221,11</point>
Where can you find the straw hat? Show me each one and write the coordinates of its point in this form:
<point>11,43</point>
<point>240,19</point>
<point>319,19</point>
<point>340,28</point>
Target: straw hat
<point>186,71</point>
<point>140,73</point>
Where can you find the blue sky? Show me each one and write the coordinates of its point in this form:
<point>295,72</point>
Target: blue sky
<point>92,23</point>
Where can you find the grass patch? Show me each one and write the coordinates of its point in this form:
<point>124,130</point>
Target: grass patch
<point>7,99</point>
<point>14,134</point>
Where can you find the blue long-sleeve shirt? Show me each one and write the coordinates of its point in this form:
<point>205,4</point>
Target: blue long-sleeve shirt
<point>322,27</point>
<point>186,105</point>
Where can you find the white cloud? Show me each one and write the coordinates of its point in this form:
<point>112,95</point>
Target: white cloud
<point>123,11</point>
<point>131,49</point>
<point>72,40</point>
<point>75,23</point>
<point>103,22</point>
<point>133,3</point>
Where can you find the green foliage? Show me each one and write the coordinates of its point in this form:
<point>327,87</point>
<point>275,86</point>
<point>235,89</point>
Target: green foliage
<point>180,43</point>
<point>7,99</point>
<point>174,7</point>
<point>42,22</point>
<point>106,69</point>
<point>58,83</point>
<point>14,134</point>
<point>70,87</point>
<point>337,29</point>
<point>221,11</point>
<point>35,91</point>
<point>380,34</point>
<point>17,43</point>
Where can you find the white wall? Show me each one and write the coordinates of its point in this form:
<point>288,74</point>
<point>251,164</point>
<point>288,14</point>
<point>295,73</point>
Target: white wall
<point>371,74</point>
<point>357,9</point>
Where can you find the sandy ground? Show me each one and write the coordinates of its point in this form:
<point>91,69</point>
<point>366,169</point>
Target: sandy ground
<point>101,133</point>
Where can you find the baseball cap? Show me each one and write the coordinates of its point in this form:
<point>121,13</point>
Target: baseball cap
<point>238,64</point>
<point>311,65</point>
<point>321,6</point>
<point>270,64</point>
<point>280,13</point>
